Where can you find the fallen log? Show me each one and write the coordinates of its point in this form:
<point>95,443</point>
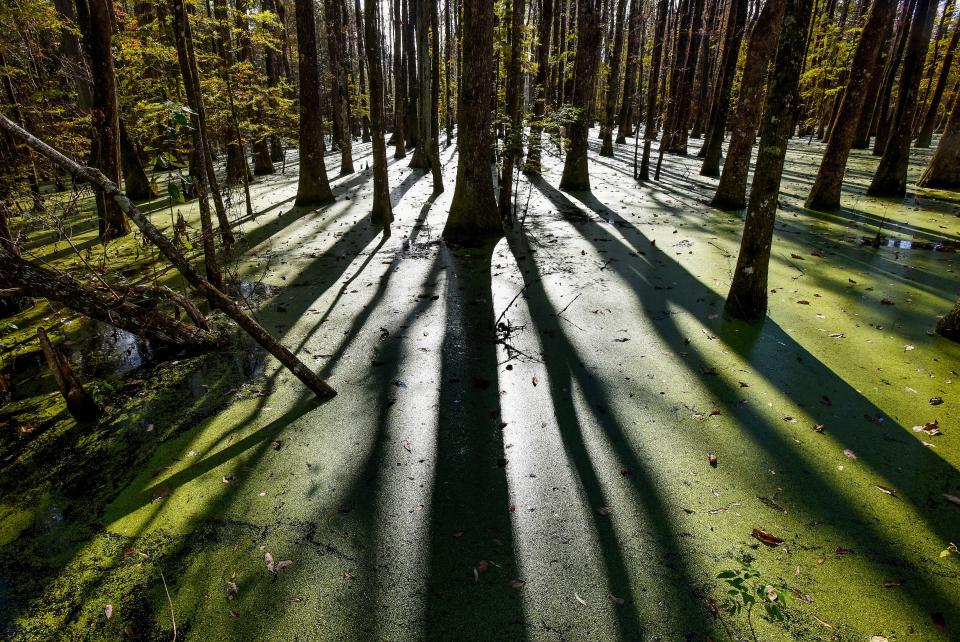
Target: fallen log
<point>213,294</point>
<point>110,308</point>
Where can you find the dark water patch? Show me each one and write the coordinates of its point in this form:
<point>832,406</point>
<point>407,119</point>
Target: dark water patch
<point>882,240</point>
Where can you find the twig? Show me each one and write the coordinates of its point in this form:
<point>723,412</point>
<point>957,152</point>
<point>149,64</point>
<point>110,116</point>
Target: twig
<point>515,297</point>
<point>173,619</point>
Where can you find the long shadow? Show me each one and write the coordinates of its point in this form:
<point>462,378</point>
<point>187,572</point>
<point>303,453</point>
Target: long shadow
<point>917,473</point>
<point>564,369</point>
<point>470,508</point>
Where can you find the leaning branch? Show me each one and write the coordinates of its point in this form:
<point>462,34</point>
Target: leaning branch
<point>221,300</point>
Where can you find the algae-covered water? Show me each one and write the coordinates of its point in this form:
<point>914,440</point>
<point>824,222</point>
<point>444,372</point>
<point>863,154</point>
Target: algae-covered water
<point>520,447</point>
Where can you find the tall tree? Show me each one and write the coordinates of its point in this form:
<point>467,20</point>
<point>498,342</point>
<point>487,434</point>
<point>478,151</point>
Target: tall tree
<point>733,34</point>
<point>576,174</point>
<point>313,187</point>
<point>513,142</point>
<point>540,88</point>
<point>747,298</point>
<point>943,172</point>
<point>650,122</point>
<point>237,169</point>
<point>613,82</point>
<point>198,165</point>
<point>890,178</point>
<point>400,84</point>
<point>339,86</point>
<point>826,188</point>
<point>929,120</point>
<point>381,212</point>
<point>362,70</point>
<point>473,217</point>
<point>96,23</point>
<point>732,189</point>
<point>634,61</point>
<point>421,153</point>
<point>434,115</point>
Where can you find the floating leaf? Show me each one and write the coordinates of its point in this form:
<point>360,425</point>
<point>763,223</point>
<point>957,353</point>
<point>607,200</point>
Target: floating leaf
<point>108,611</point>
<point>931,428</point>
<point>767,538</point>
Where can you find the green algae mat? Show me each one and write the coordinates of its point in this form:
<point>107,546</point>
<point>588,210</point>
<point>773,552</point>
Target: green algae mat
<point>559,437</point>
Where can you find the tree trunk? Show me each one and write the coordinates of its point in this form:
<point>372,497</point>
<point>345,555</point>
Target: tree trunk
<point>732,190</point>
<point>634,62</point>
<point>949,324</point>
<point>613,83</point>
<point>513,141</point>
<point>880,125</point>
<point>313,187</point>
<point>421,154</point>
<point>890,178</point>
<point>339,88</point>
<point>826,188</point>
<point>362,68</point>
<point>400,83</point>
<point>105,111</point>
<point>733,34</point>
<point>473,217</point>
<point>381,213</point>
<point>861,139</point>
<point>576,172</point>
<point>925,135</point>
<point>943,172</point>
<point>198,166</point>
<point>163,244</point>
<point>650,123</point>
<point>237,170</point>
<point>108,307</point>
<point>79,402</point>
<point>434,114</point>
<point>183,37</point>
<point>747,298</point>
<point>535,142</point>
<point>412,72</point>
<point>448,43</point>
<point>135,182</point>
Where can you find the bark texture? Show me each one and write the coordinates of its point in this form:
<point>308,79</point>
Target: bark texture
<point>576,174</point>
<point>747,298</point>
<point>826,187</point>
<point>313,187</point>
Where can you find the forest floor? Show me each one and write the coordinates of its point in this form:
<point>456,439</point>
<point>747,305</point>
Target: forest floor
<point>519,448</point>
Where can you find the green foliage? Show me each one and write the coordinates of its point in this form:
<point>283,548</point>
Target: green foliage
<point>746,589</point>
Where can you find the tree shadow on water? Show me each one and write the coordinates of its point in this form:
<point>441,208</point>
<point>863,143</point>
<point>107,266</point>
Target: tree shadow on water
<point>883,446</point>
<point>471,525</point>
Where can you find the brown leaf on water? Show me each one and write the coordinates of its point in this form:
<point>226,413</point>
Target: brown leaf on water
<point>108,611</point>
<point>932,428</point>
<point>803,302</point>
<point>953,499</point>
<point>616,601</point>
<point>936,401</point>
<point>282,564</point>
<point>234,613</point>
<point>518,584</point>
<point>232,589</point>
<point>295,599</point>
<point>818,427</point>
<point>268,558</point>
<point>796,256</point>
<point>849,453</point>
<point>707,371</point>
<point>767,538</point>
<point>604,510</point>
<point>790,420</point>
<point>888,491</point>
<point>892,583</point>
<point>159,492</point>
<point>712,458</point>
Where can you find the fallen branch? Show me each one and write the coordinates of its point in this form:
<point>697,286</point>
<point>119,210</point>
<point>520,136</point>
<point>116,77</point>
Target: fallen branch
<point>221,300</point>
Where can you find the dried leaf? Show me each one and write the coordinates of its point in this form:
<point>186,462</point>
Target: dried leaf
<point>767,538</point>
<point>268,558</point>
<point>712,458</point>
<point>849,453</point>
<point>108,611</point>
<point>953,499</point>
<point>282,564</point>
<point>518,584</point>
<point>234,613</point>
<point>616,601</point>
<point>888,491</point>
<point>579,599</point>
<point>931,428</point>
